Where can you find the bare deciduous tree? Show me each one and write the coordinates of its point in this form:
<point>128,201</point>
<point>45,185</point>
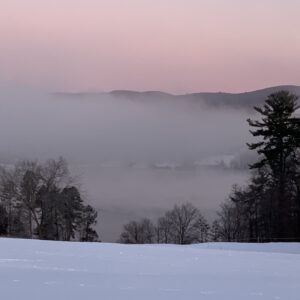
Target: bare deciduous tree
<point>142,232</point>
<point>186,225</point>
<point>182,225</point>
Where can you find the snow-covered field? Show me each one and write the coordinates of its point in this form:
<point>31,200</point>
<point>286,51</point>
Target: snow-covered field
<point>43,270</point>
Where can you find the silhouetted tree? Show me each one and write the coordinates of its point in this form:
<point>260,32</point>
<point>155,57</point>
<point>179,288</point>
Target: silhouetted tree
<point>3,221</point>
<point>279,130</point>
<point>231,222</point>
<point>142,232</point>
<point>163,231</point>
<point>187,225</point>
<point>87,220</point>
<point>268,208</point>
<point>215,232</point>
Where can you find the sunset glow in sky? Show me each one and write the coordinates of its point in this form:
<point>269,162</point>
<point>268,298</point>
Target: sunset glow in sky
<point>171,45</point>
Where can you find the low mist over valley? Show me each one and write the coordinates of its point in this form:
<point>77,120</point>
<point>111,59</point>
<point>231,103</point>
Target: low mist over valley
<point>136,154</point>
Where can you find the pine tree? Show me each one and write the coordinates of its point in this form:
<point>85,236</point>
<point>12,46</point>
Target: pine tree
<point>279,130</point>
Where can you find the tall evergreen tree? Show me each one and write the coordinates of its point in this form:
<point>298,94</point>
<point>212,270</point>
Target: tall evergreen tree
<point>279,130</point>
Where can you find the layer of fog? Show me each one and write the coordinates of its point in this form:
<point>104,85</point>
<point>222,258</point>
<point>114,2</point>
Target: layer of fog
<point>134,159</point>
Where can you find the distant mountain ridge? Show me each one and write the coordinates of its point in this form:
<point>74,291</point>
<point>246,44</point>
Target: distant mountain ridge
<point>244,100</point>
<point>241,100</point>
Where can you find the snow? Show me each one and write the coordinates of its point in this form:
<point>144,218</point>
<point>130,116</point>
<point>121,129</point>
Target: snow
<point>31,269</point>
<point>266,247</point>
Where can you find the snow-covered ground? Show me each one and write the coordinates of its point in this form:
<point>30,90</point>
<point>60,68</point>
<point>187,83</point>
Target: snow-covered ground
<point>43,270</point>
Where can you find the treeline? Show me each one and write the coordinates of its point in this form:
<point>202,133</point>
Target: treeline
<point>41,201</point>
<point>266,209</point>
<point>182,225</point>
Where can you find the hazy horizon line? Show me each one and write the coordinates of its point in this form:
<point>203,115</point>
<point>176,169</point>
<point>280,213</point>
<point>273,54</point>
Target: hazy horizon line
<point>142,91</point>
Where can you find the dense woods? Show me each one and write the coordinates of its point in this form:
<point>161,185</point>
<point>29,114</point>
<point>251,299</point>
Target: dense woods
<point>41,201</point>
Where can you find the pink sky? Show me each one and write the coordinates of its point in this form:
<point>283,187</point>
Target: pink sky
<point>171,45</point>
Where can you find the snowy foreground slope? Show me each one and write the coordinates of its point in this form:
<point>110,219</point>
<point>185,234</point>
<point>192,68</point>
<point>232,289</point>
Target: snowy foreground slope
<point>56,270</point>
